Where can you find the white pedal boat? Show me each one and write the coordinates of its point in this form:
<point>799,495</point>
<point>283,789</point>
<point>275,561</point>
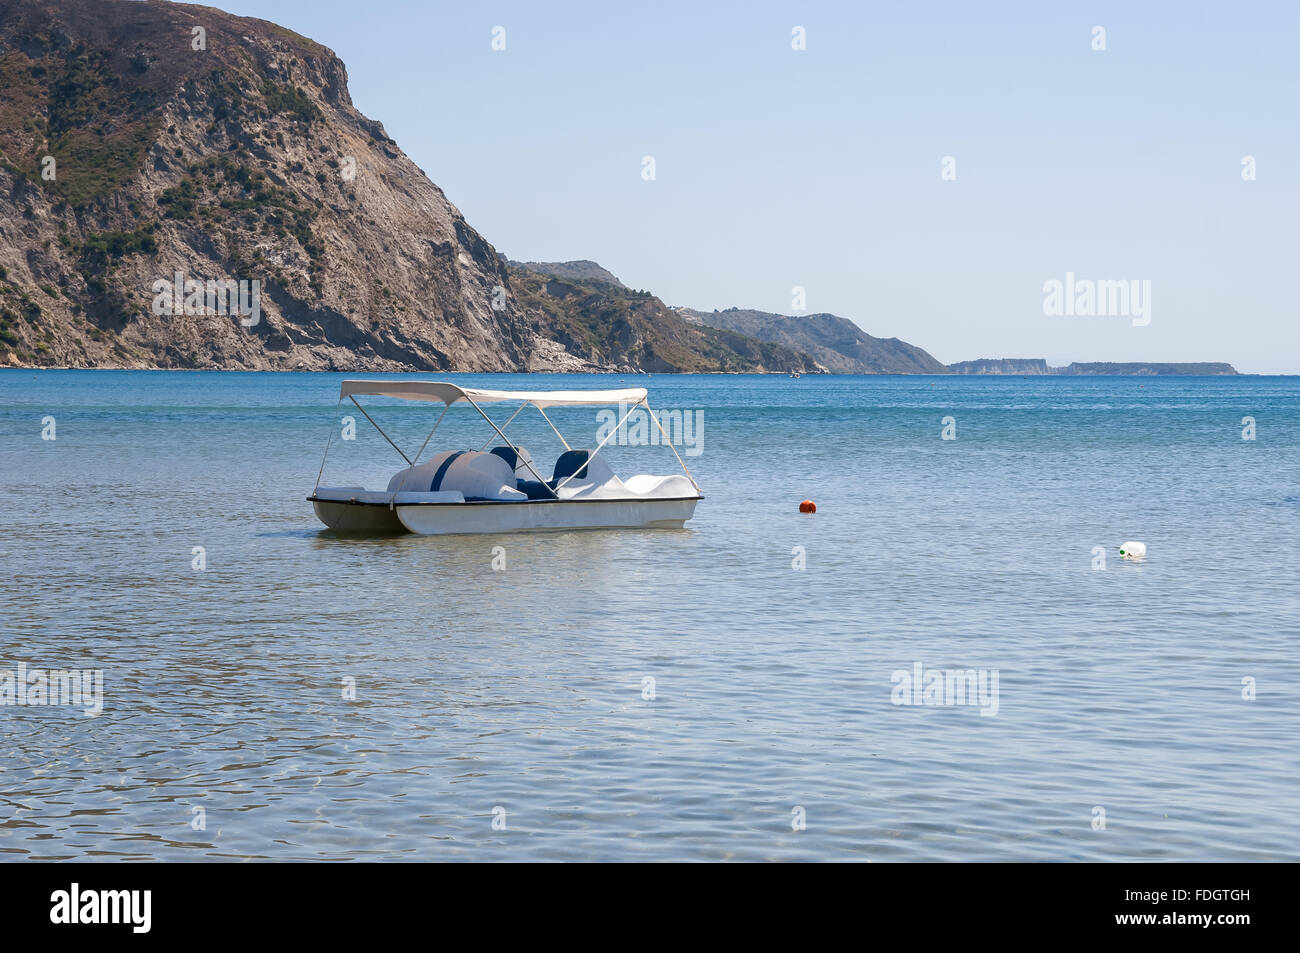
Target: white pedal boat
<point>501,490</point>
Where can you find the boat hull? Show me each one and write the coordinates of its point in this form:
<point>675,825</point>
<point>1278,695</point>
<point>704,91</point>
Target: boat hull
<point>441,519</point>
<point>354,517</point>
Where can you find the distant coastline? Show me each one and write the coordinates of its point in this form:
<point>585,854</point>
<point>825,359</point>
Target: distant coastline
<point>1132,370</point>
<point>1028,367</point>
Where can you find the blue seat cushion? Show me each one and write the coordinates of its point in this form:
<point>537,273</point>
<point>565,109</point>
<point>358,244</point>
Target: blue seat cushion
<point>569,463</point>
<point>535,489</point>
<point>507,454</point>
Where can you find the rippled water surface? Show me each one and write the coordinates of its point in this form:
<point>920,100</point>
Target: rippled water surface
<point>524,690</point>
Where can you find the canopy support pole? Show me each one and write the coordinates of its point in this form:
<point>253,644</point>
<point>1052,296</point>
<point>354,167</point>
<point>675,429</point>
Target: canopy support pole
<point>556,429</point>
<point>381,431</point>
<point>329,437</point>
<point>506,426</point>
<point>668,440</point>
<point>527,462</point>
<point>592,456</point>
<point>445,408</point>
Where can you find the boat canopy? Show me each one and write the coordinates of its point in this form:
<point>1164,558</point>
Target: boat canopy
<point>441,391</point>
<point>448,394</point>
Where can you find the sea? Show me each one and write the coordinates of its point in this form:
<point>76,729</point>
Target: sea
<point>948,661</point>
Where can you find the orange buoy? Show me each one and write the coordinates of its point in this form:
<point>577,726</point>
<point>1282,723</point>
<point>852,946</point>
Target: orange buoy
<point>807,506</point>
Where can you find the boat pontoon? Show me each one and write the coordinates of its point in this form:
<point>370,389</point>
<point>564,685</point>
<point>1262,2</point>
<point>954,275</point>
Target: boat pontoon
<point>501,490</point>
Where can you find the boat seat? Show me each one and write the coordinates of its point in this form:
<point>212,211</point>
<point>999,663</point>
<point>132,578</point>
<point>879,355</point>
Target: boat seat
<point>569,463</point>
<point>519,460</point>
<point>508,455</point>
<point>535,489</point>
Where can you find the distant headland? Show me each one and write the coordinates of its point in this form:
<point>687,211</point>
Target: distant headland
<point>1037,365</point>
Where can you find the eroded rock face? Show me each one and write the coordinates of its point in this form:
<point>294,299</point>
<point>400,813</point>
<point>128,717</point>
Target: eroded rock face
<point>244,160</point>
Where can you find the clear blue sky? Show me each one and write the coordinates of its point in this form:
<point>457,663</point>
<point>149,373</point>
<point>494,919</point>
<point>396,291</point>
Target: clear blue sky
<point>821,168</point>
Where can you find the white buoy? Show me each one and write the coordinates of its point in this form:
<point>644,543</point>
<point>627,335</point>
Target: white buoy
<point>1133,550</point>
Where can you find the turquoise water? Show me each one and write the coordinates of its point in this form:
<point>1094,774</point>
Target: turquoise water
<point>524,689</point>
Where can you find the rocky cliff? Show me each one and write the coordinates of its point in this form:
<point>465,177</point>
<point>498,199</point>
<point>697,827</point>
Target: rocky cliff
<point>143,140</point>
<point>157,158</point>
